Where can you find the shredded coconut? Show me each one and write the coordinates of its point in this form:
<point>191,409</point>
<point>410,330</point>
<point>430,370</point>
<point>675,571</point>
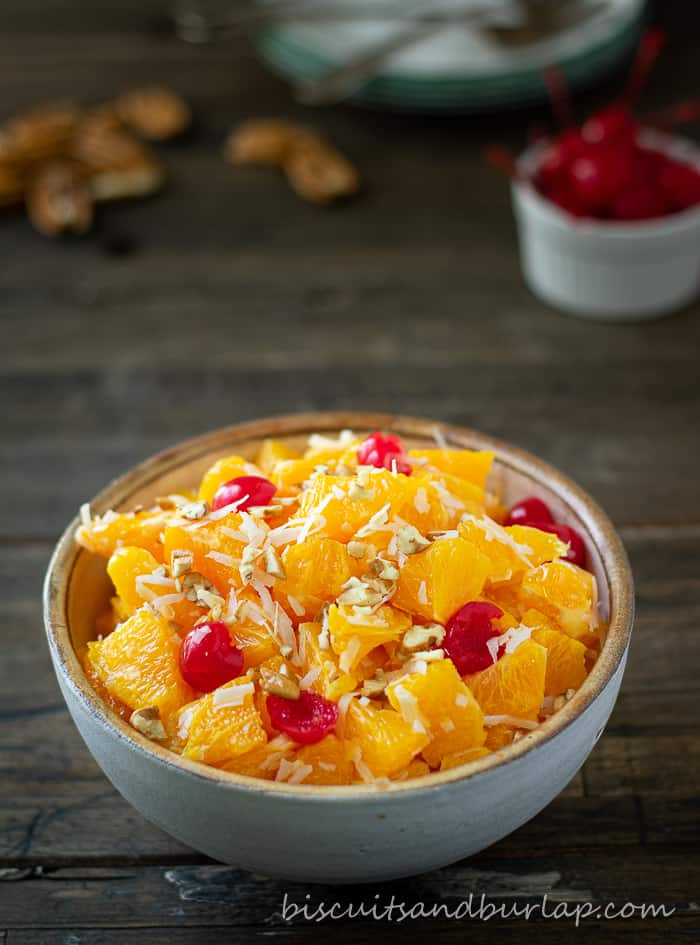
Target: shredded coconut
<point>509,720</point>
<point>222,558</point>
<point>421,501</point>
<point>409,709</point>
<point>310,677</point>
<point>296,605</point>
<point>230,696</point>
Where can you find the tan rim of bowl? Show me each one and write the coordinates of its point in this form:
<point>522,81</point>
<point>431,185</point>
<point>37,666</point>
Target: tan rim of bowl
<point>598,529</point>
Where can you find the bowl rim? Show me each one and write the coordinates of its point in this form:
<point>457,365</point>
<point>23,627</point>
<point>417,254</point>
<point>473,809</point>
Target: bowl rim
<point>596,525</point>
<point>527,196</point>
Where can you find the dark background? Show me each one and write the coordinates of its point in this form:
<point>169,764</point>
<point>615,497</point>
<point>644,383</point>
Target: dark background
<point>227,298</point>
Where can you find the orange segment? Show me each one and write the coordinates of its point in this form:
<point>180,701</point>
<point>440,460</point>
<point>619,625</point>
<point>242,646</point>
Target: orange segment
<point>271,452</point>
<point>439,700</point>
<point>255,641</point>
<point>510,550</point>
<point>354,635</point>
<point>260,762</point>
<point>563,592</point>
<point>457,758</point>
<point>319,659</point>
<point>416,769</point>
<point>566,661</point>
<point>498,736</point>
<point>223,470</point>
<point>315,572</point>
<point>216,554</point>
<point>225,724</point>
<point>514,685</point>
<point>471,465</point>
<point>112,530</point>
<point>386,741</point>
<point>138,664</point>
<point>438,581</point>
<point>329,760</point>
<point>132,572</point>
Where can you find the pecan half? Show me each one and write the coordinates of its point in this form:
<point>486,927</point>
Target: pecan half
<point>154,112</point>
<point>118,164</point>
<point>319,173</point>
<point>263,141</point>
<point>38,135</point>
<point>59,200</point>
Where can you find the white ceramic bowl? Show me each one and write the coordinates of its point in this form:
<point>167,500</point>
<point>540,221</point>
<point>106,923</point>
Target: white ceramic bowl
<point>608,270</point>
<point>357,833</point>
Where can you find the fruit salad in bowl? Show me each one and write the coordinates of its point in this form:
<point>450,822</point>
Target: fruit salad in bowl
<point>391,643</point>
<point>357,611</point>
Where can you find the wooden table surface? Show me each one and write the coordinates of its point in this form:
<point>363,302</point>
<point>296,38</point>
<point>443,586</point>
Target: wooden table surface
<point>226,298</point>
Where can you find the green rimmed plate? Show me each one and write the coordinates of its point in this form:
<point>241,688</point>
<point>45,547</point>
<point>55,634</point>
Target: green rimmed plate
<point>456,69</point>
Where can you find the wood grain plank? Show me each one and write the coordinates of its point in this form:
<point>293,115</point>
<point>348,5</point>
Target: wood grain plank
<point>218,895</point>
<point>659,932</point>
<point>101,423</point>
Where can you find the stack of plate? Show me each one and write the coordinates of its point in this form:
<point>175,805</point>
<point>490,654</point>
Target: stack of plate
<point>457,67</point>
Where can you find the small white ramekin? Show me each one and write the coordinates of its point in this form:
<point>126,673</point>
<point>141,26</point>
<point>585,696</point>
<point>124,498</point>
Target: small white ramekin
<point>608,270</point>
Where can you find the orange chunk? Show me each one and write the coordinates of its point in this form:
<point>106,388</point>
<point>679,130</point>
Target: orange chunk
<point>329,760</point>
<point>511,550</point>
<point>112,530</point>
<point>457,758</point>
<point>320,660</point>
<point>289,474</point>
<point>216,554</point>
<point>315,572</point>
<point>271,452</point>
<point>330,504</point>
<point>455,496</point>
<point>438,581</point>
<point>138,664</point>
<point>563,592</point>
<point>255,642</point>
<point>132,572</point>
<point>566,661</point>
<point>439,701</point>
<point>514,685</point>
<point>261,761</point>
<point>498,736</point>
<point>225,724</point>
<point>416,769</point>
<point>223,470</point>
<point>387,743</point>
<point>354,635</point>
<point>471,465</point>
<point>116,705</point>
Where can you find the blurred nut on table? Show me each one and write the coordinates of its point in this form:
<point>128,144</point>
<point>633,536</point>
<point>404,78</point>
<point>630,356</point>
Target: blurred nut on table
<point>316,170</point>
<point>60,159</point>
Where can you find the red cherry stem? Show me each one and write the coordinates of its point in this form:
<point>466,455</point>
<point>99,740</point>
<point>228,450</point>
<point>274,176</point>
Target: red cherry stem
<point>555,80</point>
<point>502,159</point>
<point>650,45</point>
<point>682,113</point>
